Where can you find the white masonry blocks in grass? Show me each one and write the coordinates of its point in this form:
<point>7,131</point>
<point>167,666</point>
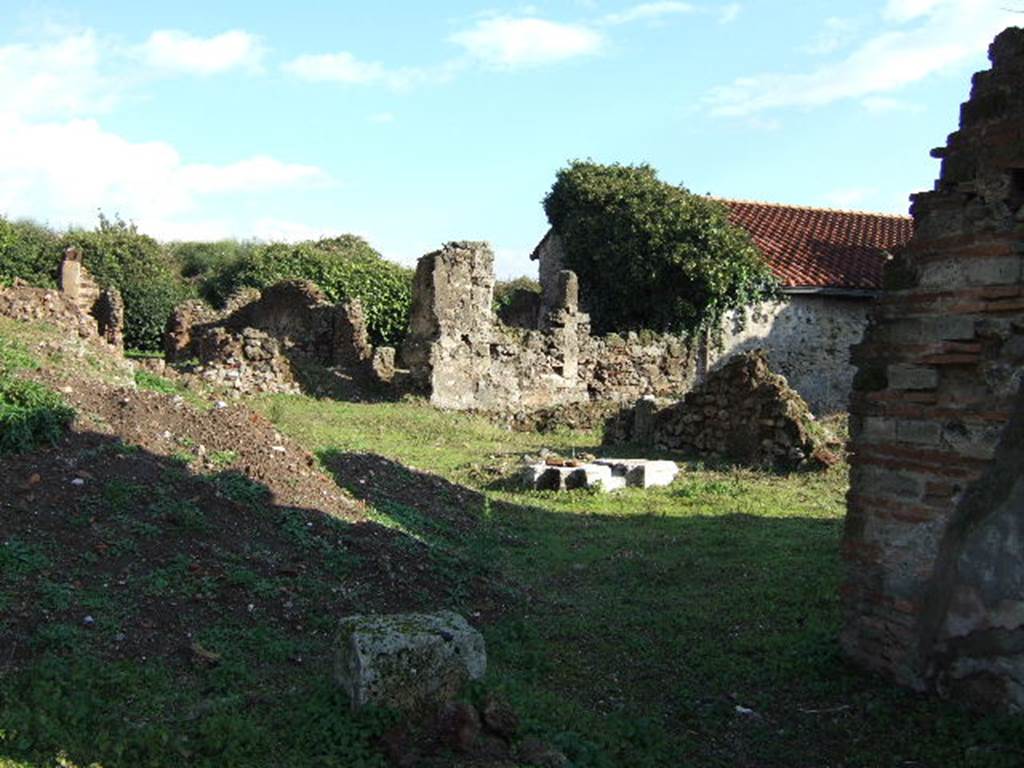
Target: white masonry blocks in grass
<point>602,474</point>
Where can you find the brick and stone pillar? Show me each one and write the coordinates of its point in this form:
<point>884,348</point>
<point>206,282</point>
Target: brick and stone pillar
<point>934,540</point>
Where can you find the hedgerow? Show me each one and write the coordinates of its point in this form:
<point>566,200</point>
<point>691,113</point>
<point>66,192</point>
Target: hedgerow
<point>343,267</point>
<point>28,251</point>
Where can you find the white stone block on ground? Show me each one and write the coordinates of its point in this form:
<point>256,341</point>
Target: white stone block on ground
<point>405,661</point>
<point>642,473</point>
<point>543,477</point>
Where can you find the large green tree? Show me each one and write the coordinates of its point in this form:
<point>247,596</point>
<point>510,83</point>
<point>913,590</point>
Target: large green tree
<point>650,255</point>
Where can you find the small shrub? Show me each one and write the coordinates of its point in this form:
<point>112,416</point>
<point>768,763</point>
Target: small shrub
<point>154,383</point>
<point>30,415</point>
<point>504,290</point>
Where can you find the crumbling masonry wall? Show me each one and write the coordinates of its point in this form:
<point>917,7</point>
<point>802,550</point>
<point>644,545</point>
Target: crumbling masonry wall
<point>934,540</point>
<point>255,343</point>
<point>103,305</point>
<point>465,359</point>
<point>742,412</point>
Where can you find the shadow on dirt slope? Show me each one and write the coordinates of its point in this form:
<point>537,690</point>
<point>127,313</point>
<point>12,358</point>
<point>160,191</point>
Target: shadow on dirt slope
<point>149,612</point>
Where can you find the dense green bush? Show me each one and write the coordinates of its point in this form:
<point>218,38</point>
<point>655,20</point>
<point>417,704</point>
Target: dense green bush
<point>204,263</point>
<point>154,278</point>
<point>117,254</point>
<point>28,251</point>
<point>504,290</point>
<point>343,267</point>
<point>649,254</point>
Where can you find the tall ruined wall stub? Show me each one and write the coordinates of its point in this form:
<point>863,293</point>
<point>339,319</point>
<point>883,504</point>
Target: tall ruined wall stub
<point>933,594</point>
<point>465,360</point>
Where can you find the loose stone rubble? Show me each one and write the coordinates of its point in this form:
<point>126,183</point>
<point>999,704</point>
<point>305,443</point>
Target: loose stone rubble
<point>742,412</point>
<point>78,304</point>
<point>600,474</point>
<point>407,661</point>
<point>934,588</point>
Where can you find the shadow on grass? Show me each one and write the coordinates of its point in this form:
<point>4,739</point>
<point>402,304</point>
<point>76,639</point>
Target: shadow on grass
<point>150,615</point>
<point>703,638</point>
<point>634,640</point>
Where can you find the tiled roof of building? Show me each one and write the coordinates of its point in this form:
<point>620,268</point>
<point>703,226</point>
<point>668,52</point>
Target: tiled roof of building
<point>821,247</point>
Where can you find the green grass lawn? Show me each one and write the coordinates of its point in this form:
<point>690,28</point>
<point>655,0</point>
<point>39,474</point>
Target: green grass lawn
<point>690,625</point>
<point>693,625</point>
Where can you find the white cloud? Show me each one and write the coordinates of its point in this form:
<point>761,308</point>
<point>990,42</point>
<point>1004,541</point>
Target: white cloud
<point>947,32</point>
<point>58,77</point>
<point>344,67</point>
<point>850,197</point>
<point>69,170</point>
<point>838,32</point>
<point>881,105</point>
<point>507,43</point>
<point>176,51</point>
<point>906,10</point>
<point>729,13</point>
<point>647,12</point>
<point>283,230</point>
<point>382,118</point>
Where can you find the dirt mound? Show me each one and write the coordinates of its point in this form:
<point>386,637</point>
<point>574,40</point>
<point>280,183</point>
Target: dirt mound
<point>155,520</point>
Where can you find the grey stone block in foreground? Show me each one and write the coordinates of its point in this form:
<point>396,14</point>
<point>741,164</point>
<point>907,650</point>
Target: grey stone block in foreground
<point>408,660</point>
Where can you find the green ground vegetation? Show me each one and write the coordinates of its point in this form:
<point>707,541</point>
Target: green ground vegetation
<point>690,625</point>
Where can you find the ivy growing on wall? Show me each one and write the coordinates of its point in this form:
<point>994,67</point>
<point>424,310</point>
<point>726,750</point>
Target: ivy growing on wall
<point>650,255</point>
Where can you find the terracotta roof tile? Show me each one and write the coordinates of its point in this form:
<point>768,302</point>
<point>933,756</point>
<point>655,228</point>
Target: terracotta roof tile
<point>821,247</point>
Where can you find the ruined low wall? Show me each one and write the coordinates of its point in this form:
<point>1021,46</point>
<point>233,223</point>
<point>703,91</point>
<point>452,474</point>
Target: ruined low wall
<point>105,306</point>
<point>933,594</point>
<point>807,338</point>
<point>465,359</point>
<point>256,342</point>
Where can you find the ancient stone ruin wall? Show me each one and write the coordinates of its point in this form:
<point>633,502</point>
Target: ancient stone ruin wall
<point>256,342</point>
<point>103,305</point>
<point>465,359</point>
<point>934,587</point>
<point>807,337</point>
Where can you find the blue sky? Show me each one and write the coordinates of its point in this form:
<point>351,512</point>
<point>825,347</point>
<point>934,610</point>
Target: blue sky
<point>417,123</point>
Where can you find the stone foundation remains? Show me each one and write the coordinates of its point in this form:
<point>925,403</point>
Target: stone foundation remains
<point>257,342</point>
<point>933,594</point>
<point>459,353</point>
<point>600,474</point>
